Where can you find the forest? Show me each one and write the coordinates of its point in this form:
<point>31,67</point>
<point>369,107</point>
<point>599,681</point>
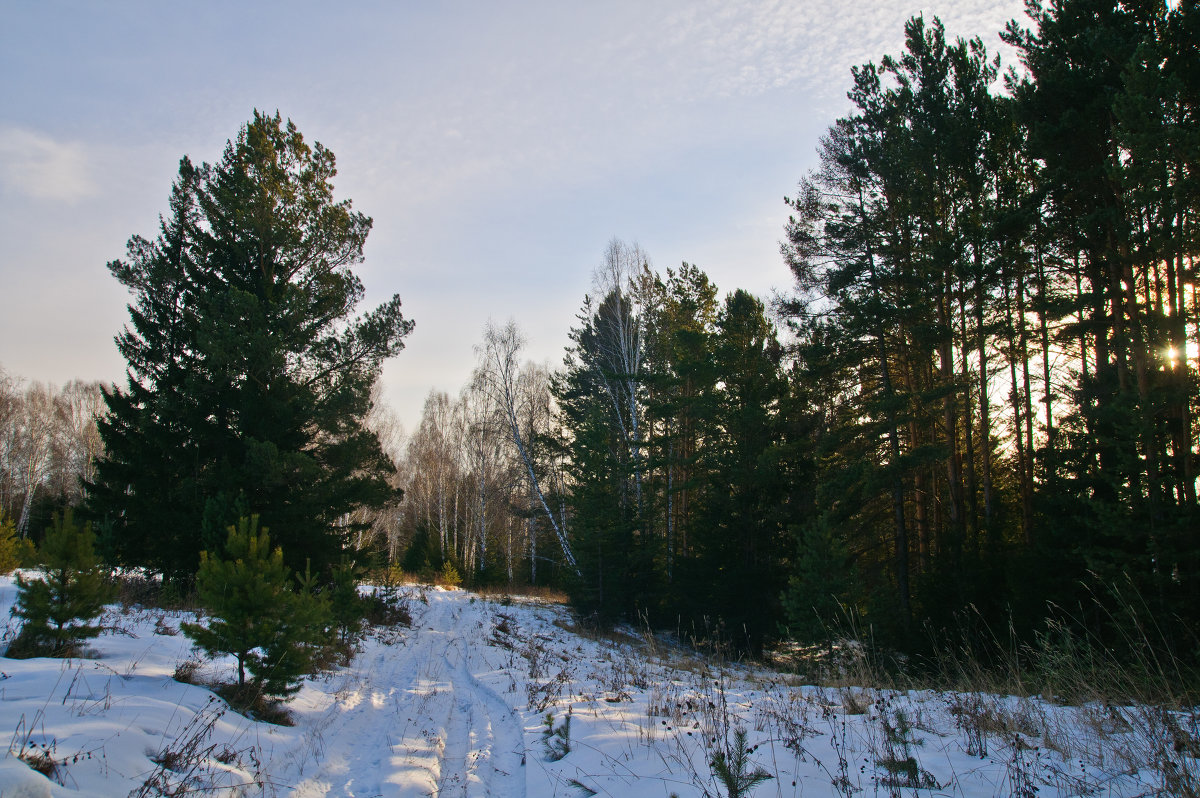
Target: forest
<point>975,411</point>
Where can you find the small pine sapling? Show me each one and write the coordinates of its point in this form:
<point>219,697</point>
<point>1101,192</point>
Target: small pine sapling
<point>302,637</point>
<point>257,617</point>
<point>10,558</point>
<point>56,609</point>
<point>901,768</point>
<point>732,768</point>
<point>449,576</point>
<point>821,578</point>
<point>346,606</point>
<point>557,739</point>
<point>587,792</point>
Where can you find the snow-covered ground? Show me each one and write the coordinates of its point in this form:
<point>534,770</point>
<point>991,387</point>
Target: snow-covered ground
<point>481,697</point>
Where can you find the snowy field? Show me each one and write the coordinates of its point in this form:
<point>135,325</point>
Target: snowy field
<point>481,697</point>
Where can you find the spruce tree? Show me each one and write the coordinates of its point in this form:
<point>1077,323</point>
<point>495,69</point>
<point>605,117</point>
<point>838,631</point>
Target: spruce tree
<point>249,377</point>
<point>741,534</point>
<point>615,560</point>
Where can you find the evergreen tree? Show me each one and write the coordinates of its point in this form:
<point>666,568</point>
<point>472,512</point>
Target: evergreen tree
<point>346,605</point>
<point>889,246</point>
<point>737,572</point>
<point>957,253</point>
<point>679,406</point>
<point>303,636</point>
<point>615,567</point>
<point>9,545</point>
<point>248,377</point>
<point>56,609</point>
<point>257,615</point>
<point>422,557</point>
<point>819,585</point>
<point>601,400</point>
<point>1109,111</point>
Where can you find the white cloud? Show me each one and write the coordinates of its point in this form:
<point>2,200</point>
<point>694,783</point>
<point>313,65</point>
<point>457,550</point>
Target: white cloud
<point>39,167</point>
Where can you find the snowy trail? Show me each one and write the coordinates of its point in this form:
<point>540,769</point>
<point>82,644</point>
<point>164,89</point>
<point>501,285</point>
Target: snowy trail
<point>485,749</point>
<point>480,697</point>
<point>415,724</point>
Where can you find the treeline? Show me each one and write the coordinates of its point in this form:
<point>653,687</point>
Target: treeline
<point>985,406</point>
<point>997,323</point>
<point>645,477</point>
<point>468,499</point>
<point>48,442</point>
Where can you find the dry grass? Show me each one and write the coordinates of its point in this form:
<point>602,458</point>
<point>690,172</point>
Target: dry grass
<point>248,700</point>
<point>547,595</point>
<point>42,760</point>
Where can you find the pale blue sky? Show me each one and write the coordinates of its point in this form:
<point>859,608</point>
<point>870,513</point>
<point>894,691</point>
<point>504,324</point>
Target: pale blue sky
<point>498,147</point>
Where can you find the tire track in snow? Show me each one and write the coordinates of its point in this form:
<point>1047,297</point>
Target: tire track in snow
<point>349,742</point>
<point>413,720</point>
<point>485,748</point>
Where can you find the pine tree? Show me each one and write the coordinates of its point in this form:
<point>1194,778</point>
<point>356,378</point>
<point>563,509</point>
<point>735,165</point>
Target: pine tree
<point>249,377</point>
<point>9,545</point>
<point>57,609</point>
<point>680,380</point>
<point>1108,109</point>
<point>346,606</point>
<point>819,584</point>
<point>256,613</point>
<point>600,401</point>
<point>740,539</point>
<point>304,634</point>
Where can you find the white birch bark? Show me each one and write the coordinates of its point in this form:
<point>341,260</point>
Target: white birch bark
<point>498,375</point>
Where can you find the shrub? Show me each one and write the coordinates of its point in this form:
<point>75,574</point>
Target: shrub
<point>9,557</point>
<point>385,607</point>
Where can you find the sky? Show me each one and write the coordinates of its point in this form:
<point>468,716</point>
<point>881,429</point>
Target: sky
<point>498,147</point>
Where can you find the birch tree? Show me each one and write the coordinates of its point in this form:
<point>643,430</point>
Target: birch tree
<point>500,377</point>
<point>623,280</point>
<point>37,432</point>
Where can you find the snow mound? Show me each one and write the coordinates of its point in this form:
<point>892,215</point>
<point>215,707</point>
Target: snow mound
<point>18,780</point>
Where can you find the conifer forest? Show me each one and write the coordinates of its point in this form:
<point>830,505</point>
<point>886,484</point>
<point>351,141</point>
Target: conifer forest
<point>975,410</point>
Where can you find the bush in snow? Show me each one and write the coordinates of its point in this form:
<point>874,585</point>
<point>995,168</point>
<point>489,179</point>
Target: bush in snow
<point>449,575</point>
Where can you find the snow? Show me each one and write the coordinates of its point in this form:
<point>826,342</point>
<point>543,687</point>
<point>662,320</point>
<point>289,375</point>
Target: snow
<point>462,704</point>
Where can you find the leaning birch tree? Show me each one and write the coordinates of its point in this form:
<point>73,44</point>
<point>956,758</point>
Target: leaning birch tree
<point>499,375</point>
